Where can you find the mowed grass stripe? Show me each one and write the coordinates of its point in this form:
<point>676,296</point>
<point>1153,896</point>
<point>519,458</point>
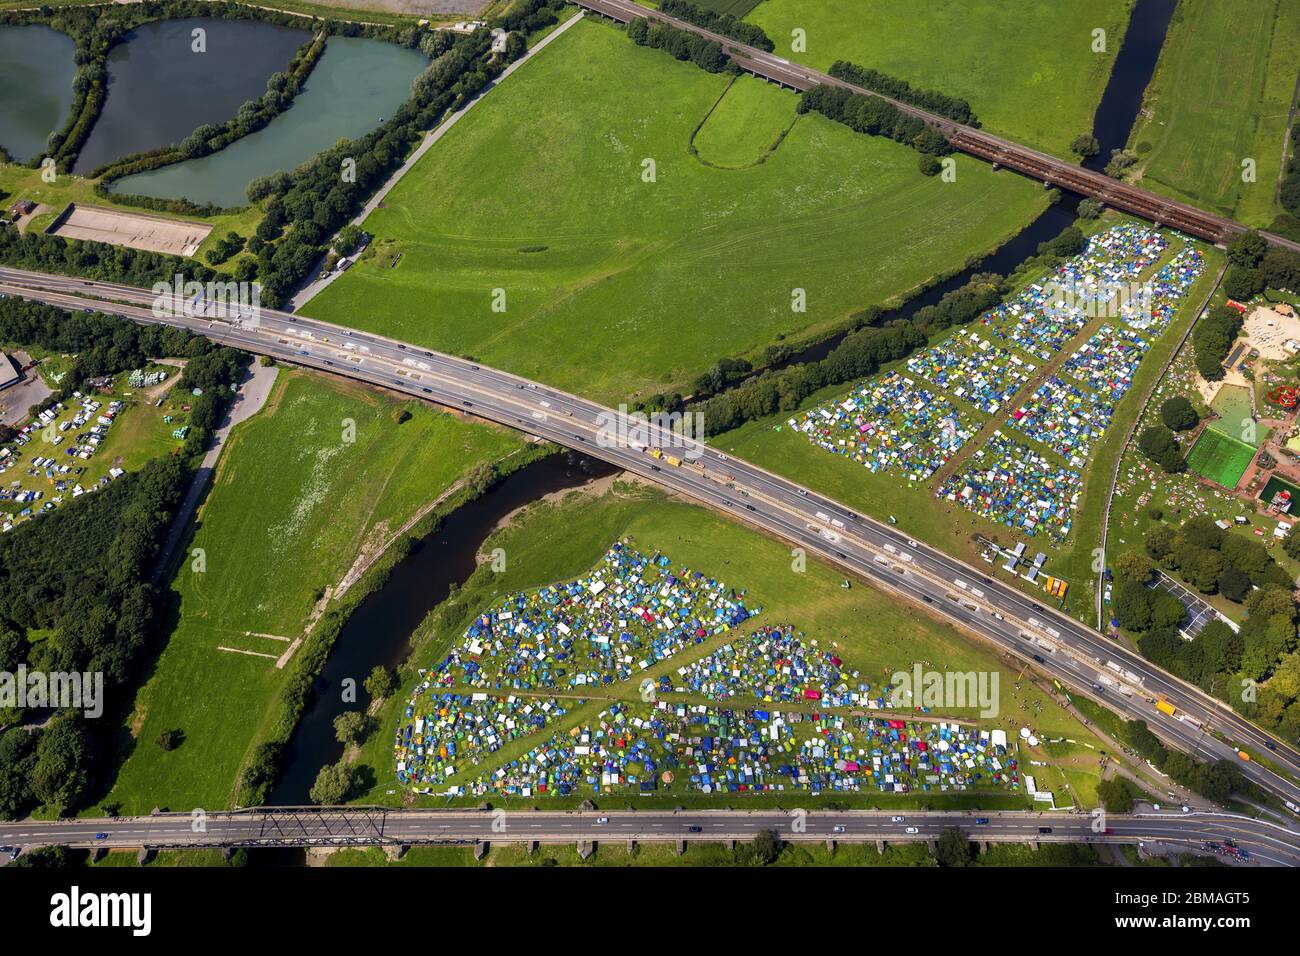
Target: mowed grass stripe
<point>1026,67</point>
<point>641,285</point>
<point>1218,98</point>
<point>1220,457</point>
<point>293,503</point>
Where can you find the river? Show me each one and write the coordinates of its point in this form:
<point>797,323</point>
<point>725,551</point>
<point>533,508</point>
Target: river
<point>379,631</point>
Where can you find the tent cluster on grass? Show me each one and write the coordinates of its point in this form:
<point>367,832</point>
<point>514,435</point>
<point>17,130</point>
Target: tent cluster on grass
<point>774,665</point>
<point>971,367</point>
<point>631,612</point>
<point>647,747</point>
<point>891,423</point>
<point>1013,485</point>
<point>1065,418</point>
<point>443,730</point>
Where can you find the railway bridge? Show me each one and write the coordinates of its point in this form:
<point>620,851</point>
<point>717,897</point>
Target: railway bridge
<point>1049,170</point>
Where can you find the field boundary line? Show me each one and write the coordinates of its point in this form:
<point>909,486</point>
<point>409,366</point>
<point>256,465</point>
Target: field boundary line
<point>1128,440</point>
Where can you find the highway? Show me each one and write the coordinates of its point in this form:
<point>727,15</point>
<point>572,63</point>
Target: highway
<point>994,149</point>
<point>1266,843</point>
<point>998,612</point>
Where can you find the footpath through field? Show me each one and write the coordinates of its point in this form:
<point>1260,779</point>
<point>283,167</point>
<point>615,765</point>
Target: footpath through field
<point>307,292</point>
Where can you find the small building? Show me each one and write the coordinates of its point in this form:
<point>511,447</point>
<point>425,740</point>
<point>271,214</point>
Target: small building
<point>23,207</point>
<point>8,371</point>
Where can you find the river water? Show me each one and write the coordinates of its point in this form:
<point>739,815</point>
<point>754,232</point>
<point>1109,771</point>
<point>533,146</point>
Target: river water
<point>36,72</point>
<point>378,632</point>
<point>160,89</point>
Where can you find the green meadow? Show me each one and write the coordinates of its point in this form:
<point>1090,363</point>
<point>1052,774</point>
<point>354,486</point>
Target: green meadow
<point>292,505</point>
<point>1026,67</point>
<point>553,541</point>
<point>1221,95</point>
<point>618,287</point>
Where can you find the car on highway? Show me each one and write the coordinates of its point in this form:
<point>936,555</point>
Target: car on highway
<point>1044,829</point>
<point>911,830</point>
<point>602,819</point>
<point>101,836</point>
<point>468,404</point>
<point>693,829</point>
<point>898,819</point>
<point>839,828</point>
<point>911,543</point>
<point>981,821</point>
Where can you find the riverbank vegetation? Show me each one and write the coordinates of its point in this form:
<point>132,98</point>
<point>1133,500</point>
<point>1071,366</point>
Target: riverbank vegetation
<point>595,231</point>
<point>76,581</point>
<point>323,475</point>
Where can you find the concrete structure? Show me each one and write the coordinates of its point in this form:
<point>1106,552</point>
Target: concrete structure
<point>8,371</point>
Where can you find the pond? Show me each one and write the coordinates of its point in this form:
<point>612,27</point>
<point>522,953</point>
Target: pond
<point>160,90</point>
<point>36,73</point>
<point>356,85</point>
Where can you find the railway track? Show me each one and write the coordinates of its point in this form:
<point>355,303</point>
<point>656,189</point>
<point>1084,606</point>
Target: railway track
<point>994,149</point>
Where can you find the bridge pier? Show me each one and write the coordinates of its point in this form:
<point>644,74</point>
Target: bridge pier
<point>98,853</point>
<point>681,847</point>
<point>830,847</point>
<point>396,852</point>
<point>146,856</point>
<point>880,847</point>
<point>586,848</point>
<point>480,849</point>
<point>631,846</point>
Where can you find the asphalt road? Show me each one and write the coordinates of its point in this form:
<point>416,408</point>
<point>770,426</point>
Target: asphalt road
<point>1056,645</point>
<point>1266,843</point>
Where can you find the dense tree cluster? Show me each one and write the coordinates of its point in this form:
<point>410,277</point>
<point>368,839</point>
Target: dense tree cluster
<point>1254,266</point>
<point>1160,445</point>
<point>1217,781</point>
<point>1178,414</point>
<point>861,353</point>
<point>722,23</point>
<point>1213,337</point>
<point>1289,192</point>
<point>80,574</point>
<point>952,107</point>
<point>1213,560</point>
<point>682,44</point>
<point>875,117</point>
<point>94,260</point>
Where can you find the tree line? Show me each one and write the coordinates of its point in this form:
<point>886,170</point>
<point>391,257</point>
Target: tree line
<point>79,576</point>
<point>682,44</point>
<point>723,23</point>
<point>952,107</point>
<point>875,117</point>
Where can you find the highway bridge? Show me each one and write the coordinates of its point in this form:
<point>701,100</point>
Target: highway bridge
<point>1266,843</point>
<point>1041,166</point>
<point>1012,621</point>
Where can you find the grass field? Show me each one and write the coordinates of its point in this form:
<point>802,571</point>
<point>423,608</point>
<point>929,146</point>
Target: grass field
<point>1026,67</point>
<point>23,183</point>
<point>872,632</point>
<point>942,523</point>
<point>738,132</point>
<point>291,507</point>
<point>1220,457</point>
<point>1221,95</point>
<point>617,287</point>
